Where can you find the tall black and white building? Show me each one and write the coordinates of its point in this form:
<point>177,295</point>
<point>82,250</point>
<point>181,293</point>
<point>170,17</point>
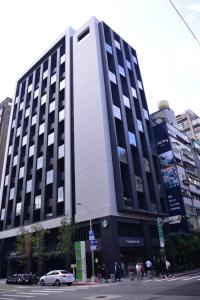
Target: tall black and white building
<point>80,133</point>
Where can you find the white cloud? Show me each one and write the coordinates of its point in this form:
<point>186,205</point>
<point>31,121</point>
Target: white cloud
<point>195,7</point>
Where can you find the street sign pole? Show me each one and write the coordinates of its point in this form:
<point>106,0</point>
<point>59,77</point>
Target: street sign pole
<point>92,254</point>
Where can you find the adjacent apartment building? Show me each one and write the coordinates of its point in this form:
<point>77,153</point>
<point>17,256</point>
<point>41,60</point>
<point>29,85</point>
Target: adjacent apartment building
<point>5,110</point>
<point>179,162</point>
<point>189,123</point>
<point>80,133</point>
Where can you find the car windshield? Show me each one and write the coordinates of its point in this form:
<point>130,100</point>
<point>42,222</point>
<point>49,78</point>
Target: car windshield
<point>64,272</point>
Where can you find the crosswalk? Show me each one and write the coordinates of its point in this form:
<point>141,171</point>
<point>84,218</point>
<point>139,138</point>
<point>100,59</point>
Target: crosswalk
<point>22,292</point>
<point>182,278</point>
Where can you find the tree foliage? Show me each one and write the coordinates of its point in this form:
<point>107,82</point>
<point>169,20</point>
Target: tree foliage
<point>23,245</point>
<point>185,246</point>
<point>65,233</point>
<point>38,240</point>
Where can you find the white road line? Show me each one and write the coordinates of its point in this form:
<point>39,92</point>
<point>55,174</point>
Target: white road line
<point>22,296</point>
<point>190,278</point>
<point>1,298</point>
<point>30,293</point>
<point>180,278</point>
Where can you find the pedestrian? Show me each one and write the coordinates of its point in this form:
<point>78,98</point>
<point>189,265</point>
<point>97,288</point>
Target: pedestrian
<point>142,269</point>
<point>117,269</point>
<point>138,271</point>
<point>122,269</point>
<point>105,273</point>
<point>149,268</point>
<point>158,267</point>
<point>148,265</point>
<point>99,274</point>
<point>163,268</point>
<point>168,268</point>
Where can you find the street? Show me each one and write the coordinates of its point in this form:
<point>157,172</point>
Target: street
<point>184,287</point>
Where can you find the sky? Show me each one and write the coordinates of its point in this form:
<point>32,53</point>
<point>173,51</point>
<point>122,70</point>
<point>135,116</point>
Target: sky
<point>169,57</point>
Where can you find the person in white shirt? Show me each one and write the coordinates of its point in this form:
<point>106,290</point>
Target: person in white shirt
<point>138,271</point>
<point>148,265</point>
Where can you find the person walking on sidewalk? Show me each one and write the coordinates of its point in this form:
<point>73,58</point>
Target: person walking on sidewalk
<point>117,269</point>
<point>149,268</point>
<point>168,269</point>
<point>138,271</point>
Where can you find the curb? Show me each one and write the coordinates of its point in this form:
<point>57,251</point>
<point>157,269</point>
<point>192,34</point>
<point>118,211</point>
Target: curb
<point>187,273</point>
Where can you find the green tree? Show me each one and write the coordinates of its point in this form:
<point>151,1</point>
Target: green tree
<point>38,244</point>
<point>23,247</point>
<point>65,244</point>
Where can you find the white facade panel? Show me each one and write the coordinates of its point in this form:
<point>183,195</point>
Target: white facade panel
<point>93,160</point>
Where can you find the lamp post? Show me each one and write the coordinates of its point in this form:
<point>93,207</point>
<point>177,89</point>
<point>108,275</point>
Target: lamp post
<point>91,249</point>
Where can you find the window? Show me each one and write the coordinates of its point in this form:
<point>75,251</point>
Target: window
<point>34,119</point>
<point>36,93</point>
<point>49,178</point>
<point>11,193</point>
<point>83,34</point>
<point>134,59</point>
<point>134,92</point>
<point>60,194</point>
<point>146,114</point>
<point>2,214</point>
<point>21,106</point>
<point>132,138</point>
<point>61,115</point>
<point>117,45</point>
<point>122,154</point>
<point>21,172</point>
<point>128,64</point>
<point>30,87</point>
<point>45,74</point>
<point>108,48</point>
<point>146,165</point>
<point>62,59</point>
<point>62,84</point>
<point>39,162</point>
<point>6,180</point>
<point>52,106</point>
<point>139,186</point>
<point>53,78</point>
<point>37,202</point>
<point>18,208</point>
<point>18,131</point>
<point>121,70</point>
<point>140,127</point>
<point>41,129</point>
<point>17,100</point>
<point>51,139</point>
<point>13,123</point>
<point>31,150</point>
<point>15,160</point>
<point>117,112</point>
<point>140,84</point>
<point>112,77</point>
<point>27,112</point>
<point>24,140</point>
<point>10,150</point>
<point>43,99</point>
<point>126,101</point>
<point>29,186</point>
<point>61,151</point>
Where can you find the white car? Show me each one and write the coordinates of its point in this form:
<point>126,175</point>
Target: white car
<point>57,277</point>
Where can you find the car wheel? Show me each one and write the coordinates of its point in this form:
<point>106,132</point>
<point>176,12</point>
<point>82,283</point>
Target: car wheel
<point>42,282</point>
<point>57,282</point>
<point>69,283</point>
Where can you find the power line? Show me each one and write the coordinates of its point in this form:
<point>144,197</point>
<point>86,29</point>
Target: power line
<point>185,22</point>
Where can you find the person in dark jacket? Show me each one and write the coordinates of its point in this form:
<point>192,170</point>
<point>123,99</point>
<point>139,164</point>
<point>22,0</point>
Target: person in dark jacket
<point>117,270</point>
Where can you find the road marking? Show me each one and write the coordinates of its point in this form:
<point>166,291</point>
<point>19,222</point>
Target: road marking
<point>194,277</point>
<point>30,293</point>
<point>22,296</point>
<point>6,298</point>
<point>109,297</point>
